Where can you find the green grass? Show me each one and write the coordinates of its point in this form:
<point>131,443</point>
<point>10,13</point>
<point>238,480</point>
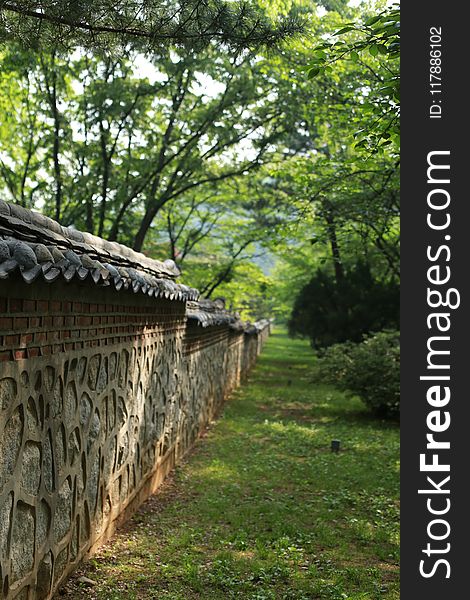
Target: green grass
<point>262,509</point>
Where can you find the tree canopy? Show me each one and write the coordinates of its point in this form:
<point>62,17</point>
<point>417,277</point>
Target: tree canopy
<point>257,170</point>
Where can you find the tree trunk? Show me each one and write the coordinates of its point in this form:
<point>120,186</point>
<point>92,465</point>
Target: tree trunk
<point>150,214</point>
<point>56,149</point>
<point>335,251</point>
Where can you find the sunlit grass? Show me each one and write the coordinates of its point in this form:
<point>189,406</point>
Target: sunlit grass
<point>262,509</point>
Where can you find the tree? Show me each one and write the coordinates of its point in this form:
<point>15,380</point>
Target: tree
<point>130,146</point>
<point>329,311</point>
<point>145,24</point>
<point>213,235</point>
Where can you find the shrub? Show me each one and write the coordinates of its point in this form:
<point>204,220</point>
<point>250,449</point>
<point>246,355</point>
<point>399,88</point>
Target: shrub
<point>370,369</point>
<point>329,312</point>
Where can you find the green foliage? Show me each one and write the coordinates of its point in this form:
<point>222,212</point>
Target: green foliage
<point>330,310</point>
<point>250,175</point>
<point>370,369</point>
<point>120,147</point>
<point>106,25</point>
<point>373,41</point>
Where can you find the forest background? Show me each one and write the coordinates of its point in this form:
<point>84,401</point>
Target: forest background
<point>263,161</point>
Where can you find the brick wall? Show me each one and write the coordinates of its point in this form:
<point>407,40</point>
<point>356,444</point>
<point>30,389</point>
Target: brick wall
<point>101,392</point>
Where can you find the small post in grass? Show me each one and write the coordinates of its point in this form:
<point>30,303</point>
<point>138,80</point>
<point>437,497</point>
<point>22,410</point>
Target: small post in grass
<point>335,444</point>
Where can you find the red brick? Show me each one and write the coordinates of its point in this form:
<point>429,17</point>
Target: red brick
<point>58,321</point>
<point>26,338</point>
<point>68,347</point>
<point>12,340</point>
<point>75,333</point>
<point>69,321</point>
<point>21,323</point>
<point>65,333</point>
<point>83,321</point>
<point>96,320</point>
<point>66,307</point>
<point>3,305</point>
<point>6,323</point>
<point>94,343</point>
<point>16,305</point>
<point>19,354</point>
<point>29,305</point>
<point>101,307</point>
<point>33,352</point>
<point>53,336</point>
<point>86,307</point>
<point>93,308</point>
<point>47,322</point>
<point>77,307</point>
<point>34,322</point>
<point>46,350</point>
<point>5,356</point>
<point>40,336</point>
<point>42,306</point>
<point>57,348</point>
<point>55,306</point>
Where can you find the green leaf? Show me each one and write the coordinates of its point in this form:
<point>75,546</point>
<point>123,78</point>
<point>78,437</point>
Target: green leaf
<point>354,56</point>
<point>313,72</point>
<point>382,49</point>
<point>374,50</point>
<point>361,144</point>
<point>386,91</point>
<point>344,30</point>
<point>373,20</point>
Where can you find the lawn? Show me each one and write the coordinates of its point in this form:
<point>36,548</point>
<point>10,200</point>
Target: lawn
<point>262,509</point>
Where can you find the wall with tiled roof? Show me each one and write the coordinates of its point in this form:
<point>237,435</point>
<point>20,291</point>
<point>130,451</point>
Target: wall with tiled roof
<point>109,369</point>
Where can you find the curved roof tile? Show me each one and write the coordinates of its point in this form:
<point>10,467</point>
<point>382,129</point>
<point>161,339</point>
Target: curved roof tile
<point>39,247</point>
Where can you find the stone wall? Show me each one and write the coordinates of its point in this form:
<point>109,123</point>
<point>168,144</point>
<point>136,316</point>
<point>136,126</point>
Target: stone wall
<point>101,392</point>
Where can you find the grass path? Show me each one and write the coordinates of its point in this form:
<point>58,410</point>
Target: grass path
<point>261,509</point>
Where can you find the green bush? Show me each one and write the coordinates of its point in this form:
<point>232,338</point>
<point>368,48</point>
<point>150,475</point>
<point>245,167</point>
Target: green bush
<point>330,311</point>
<point>370,369</point>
